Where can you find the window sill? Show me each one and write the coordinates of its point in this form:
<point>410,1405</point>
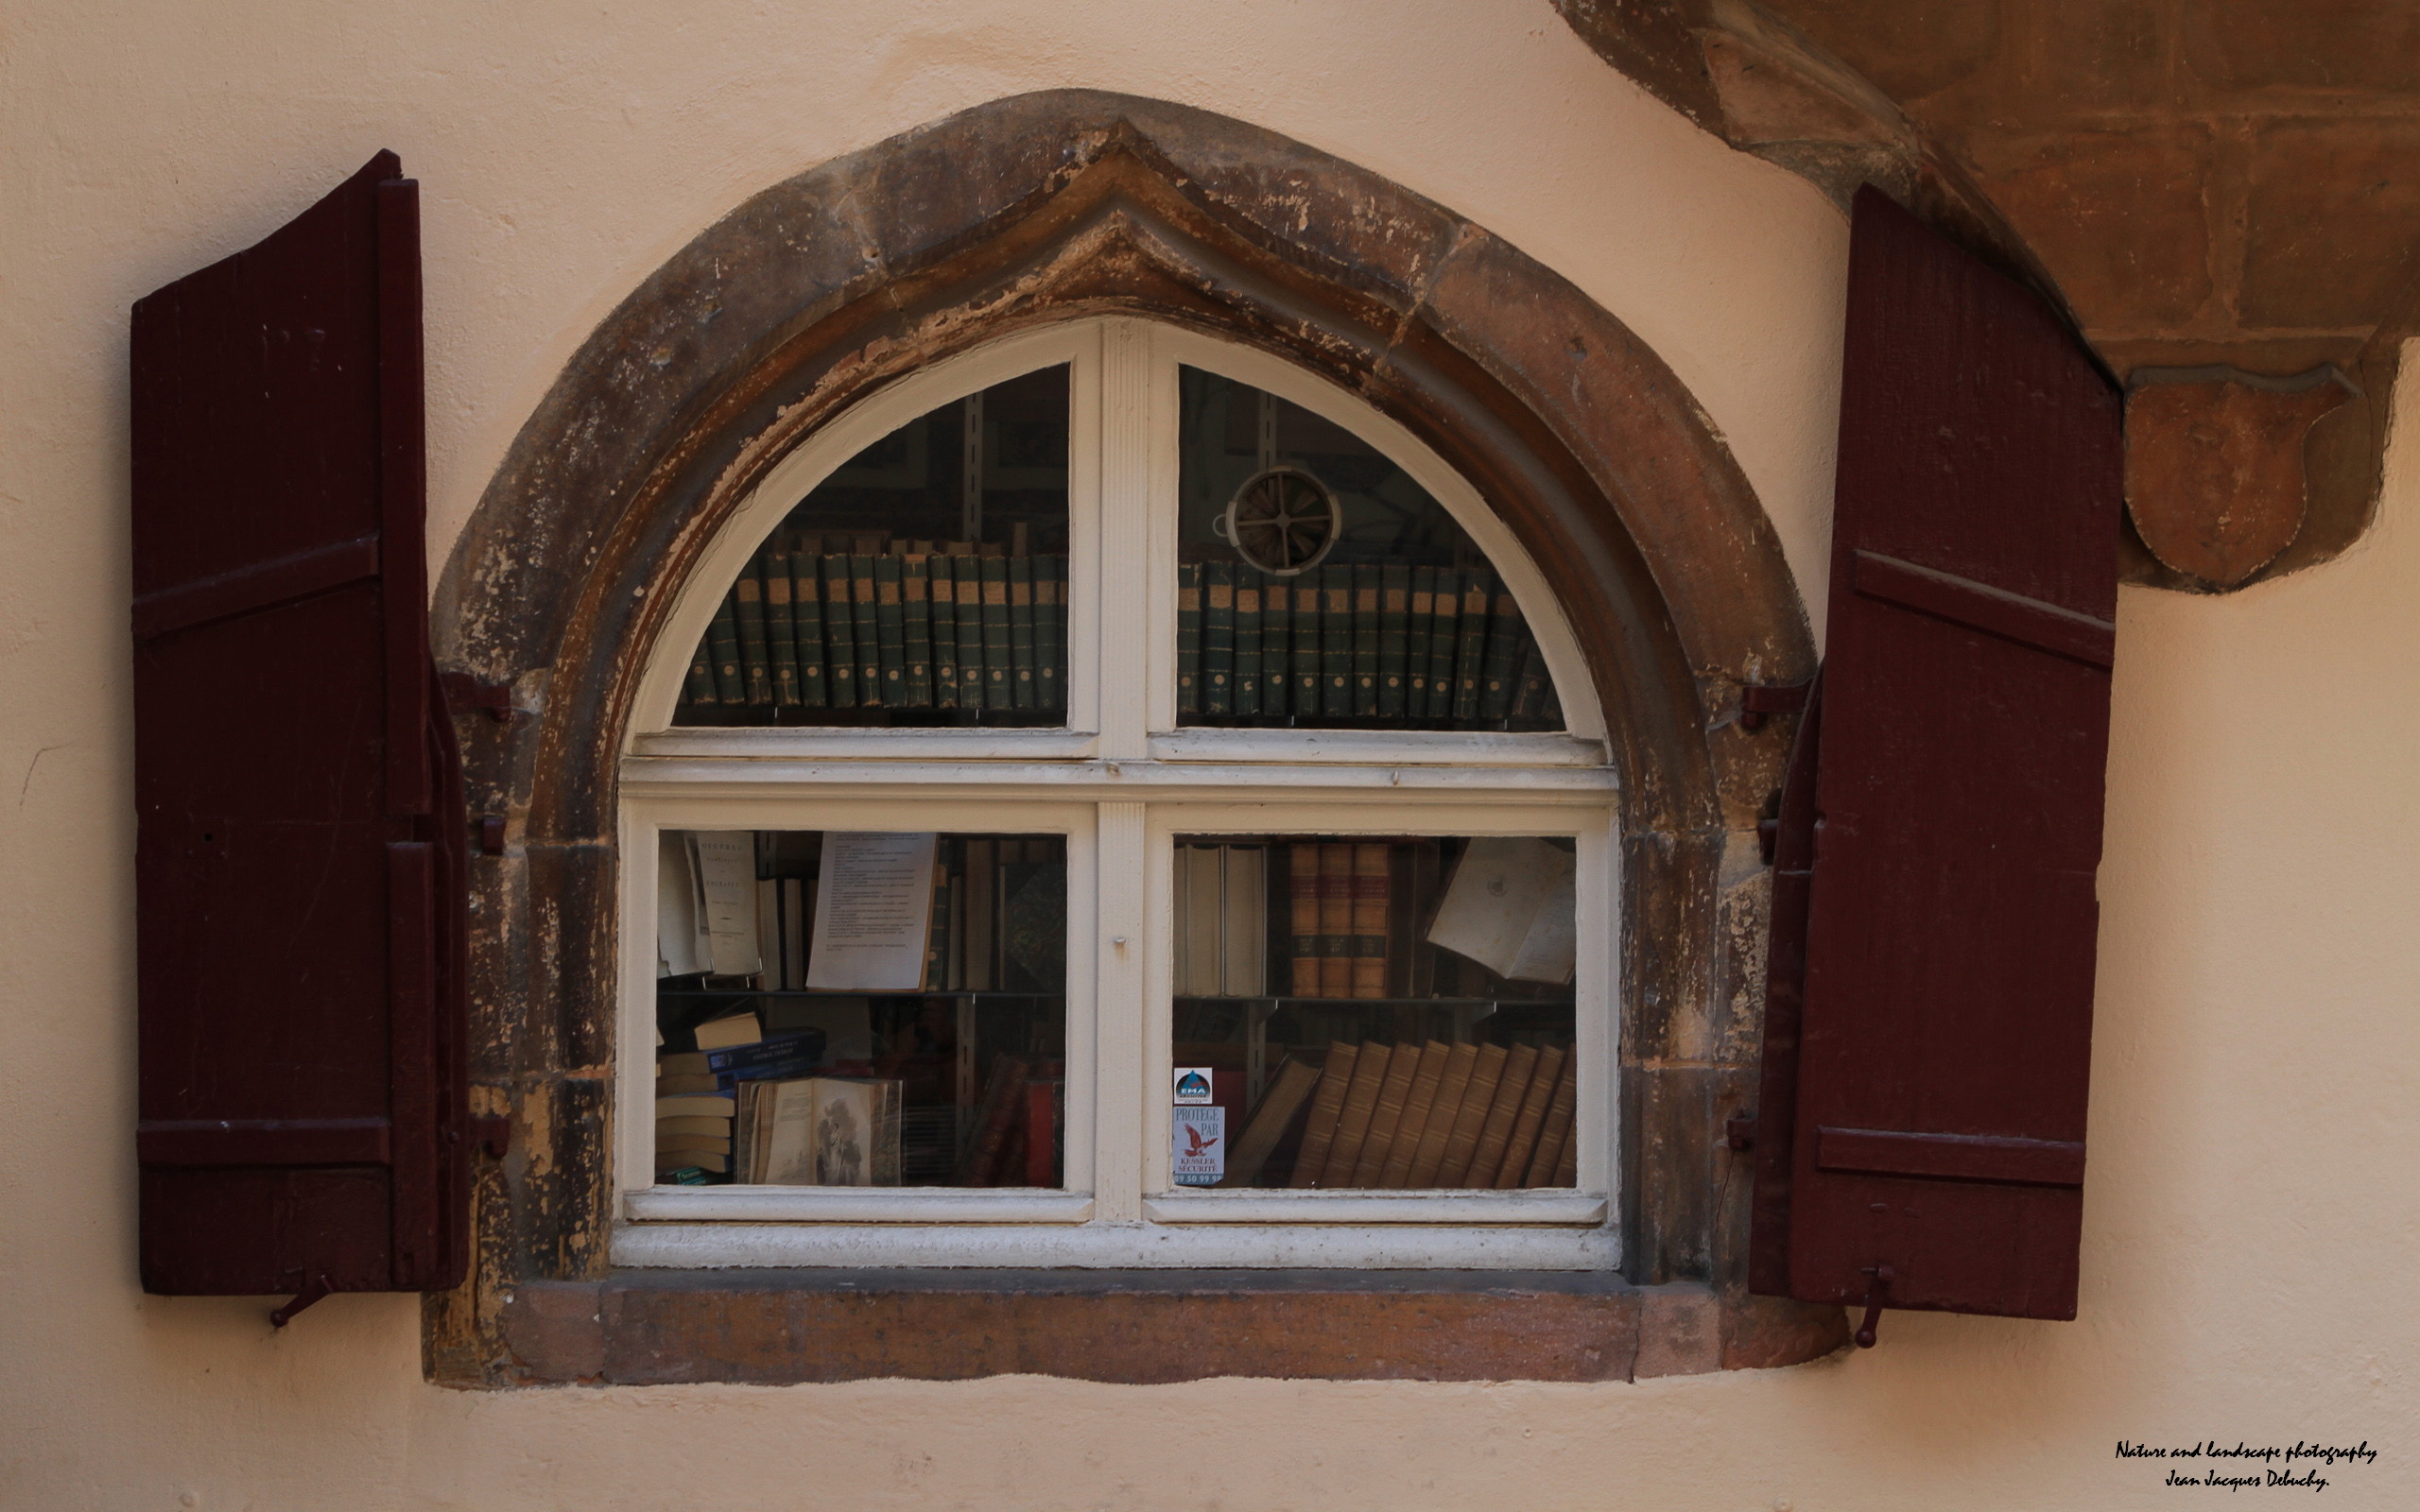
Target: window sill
<point>639,1328</point>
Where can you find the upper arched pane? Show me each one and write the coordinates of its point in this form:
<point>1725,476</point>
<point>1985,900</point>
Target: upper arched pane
<point>923,583</point>
<point>1320,586</point>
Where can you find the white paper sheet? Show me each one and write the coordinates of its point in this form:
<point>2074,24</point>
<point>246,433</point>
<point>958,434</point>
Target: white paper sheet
<point>873,912</point>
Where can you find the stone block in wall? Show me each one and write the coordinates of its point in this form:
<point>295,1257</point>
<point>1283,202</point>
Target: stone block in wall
<point>2118,217</point>
<point>2331,215</point>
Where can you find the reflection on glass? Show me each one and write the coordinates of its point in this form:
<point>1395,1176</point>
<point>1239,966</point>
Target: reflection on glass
<point>924,583</point>
<point>861,1009</point>
<point>1373,1012</point>
<point>1320,586</point>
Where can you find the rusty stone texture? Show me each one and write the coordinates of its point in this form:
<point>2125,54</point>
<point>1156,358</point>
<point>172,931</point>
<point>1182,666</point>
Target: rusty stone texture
<point>819,291</point>
<point>2119,217</point>
<point>2214,470</point>
<point>2331,215</point>
<point>2197,182</point>
<point>780,1327</point>
<point>2348,45</point>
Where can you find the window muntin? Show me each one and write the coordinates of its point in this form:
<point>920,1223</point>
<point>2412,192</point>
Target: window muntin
<point>1121,781</point>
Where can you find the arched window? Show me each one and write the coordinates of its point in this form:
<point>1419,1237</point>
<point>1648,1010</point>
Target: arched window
<point>1115,793</point>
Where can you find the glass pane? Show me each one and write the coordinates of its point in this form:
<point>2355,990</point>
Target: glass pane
<point>1320,586</point>
<point>925,583</point>
<point>1368,1012</point>
<point>861,1008</point>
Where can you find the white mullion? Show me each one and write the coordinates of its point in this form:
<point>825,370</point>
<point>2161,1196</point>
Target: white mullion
<point>1128,516</point>
<point>1122,849</point>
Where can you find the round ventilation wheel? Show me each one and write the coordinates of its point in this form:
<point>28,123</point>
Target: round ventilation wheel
<point>1282,521</point>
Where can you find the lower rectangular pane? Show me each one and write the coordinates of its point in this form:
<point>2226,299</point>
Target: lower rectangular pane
<point>861,1008</point>
<point>1373,1012</point>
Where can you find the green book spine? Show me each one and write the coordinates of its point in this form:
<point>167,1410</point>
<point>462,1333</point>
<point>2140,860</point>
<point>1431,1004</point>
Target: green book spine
<point>969,575</point>
<point>701,686</point>
<point>1366,590</point>
<point>1473,652</point>
<point>1021,638</point>
<point>1188,638</point>
<point>1528,685</point>
<point>781,627</point>
<point>1503,667</point>
<point>943,587</point>
<point>807,617</point>
<point>1304,655</point>
<point>1248,631</point>
<point>1218,638</point>
<point>1276,628</point>
<point>1444,641</point>
<point>1336,642</point>
<point>890,630</point>
<point>1050,633</point>
<point>839,632</point>
<point>998,692</point>
<point>1420,617</point>
<point>867,611</point>
<point>916,630</point>
<point>1394,638</point>
<point>750,595</point>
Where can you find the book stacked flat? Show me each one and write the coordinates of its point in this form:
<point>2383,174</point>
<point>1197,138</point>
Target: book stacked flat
<point>889,624</point>
<point>1391,646</point>
<point>697,1093</point>
<point>1397,1117</point>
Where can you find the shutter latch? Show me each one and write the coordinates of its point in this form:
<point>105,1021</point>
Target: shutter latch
<point>312,1291</point>
<point>1883,1275</point>
<point>464,692</point>
<point>493,1133</point>
<point>1740,1131</point>
<point>1756,700</point>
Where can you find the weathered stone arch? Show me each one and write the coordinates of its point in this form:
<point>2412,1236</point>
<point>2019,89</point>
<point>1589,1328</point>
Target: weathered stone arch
<point>817,292</point>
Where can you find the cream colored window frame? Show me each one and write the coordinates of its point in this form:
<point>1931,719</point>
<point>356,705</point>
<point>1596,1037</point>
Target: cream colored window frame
<point>1119,782</point>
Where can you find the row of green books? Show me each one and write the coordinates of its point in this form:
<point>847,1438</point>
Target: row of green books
<point>857,630</point>
<point>1392,643</point>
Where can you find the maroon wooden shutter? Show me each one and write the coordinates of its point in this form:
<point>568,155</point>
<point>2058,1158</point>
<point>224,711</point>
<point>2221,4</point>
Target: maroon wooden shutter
<point>300,855</point>
<point>1920,1137</point>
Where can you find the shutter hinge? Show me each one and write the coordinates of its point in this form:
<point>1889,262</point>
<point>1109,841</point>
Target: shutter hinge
<point>493,1132</point>
<point>490,835</point>
<point>464,692</point>
<point>1756,700</point>
<point>1874,1293</point>
<point>1739,1132</point>
<point>316,1288</point>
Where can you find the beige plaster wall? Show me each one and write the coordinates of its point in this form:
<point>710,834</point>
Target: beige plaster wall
<point>2250,1215</point>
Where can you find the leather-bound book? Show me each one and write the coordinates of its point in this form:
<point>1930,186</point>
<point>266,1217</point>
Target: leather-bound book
<point>1394,1095</point>
<point>755,671</point>
<point>1336,919</point>
<point>1021,691</point>
<point>864,596</point>
<point>1523,1144</point>
<point>1302,891</point>
<point>1373,898</point>
<point>1469,1119</point>
<point>1428,1155</point>
<point>1519,1065</point>
<point>942,590</point>
<point>806,626</point>
<point>1413,1126</point>
<point>1556,1132</point>
<point>781,642</point>
<point>839,632</point>
<point>1353,1125</point>
<point>1285,1097</point>
<point>1327,1107</point>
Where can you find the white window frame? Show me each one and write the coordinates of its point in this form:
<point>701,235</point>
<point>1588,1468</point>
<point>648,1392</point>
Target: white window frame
<point>1119,782</point>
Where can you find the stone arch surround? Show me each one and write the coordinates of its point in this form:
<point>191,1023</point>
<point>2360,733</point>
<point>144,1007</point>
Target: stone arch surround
<point>817,292</point>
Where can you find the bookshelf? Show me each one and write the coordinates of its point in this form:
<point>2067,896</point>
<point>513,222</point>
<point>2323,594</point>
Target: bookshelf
<point>1433,1004</point>
<point>951,1058</point>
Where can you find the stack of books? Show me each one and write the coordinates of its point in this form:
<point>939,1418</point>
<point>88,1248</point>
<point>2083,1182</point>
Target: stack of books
<point>863,622</point>
<point>1375,1116</point>
<point>1391,646</point>
<point>696,1092</point>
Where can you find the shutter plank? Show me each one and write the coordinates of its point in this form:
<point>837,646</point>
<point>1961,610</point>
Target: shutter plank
<point>1936,1122</point>
<point>300,881</point>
